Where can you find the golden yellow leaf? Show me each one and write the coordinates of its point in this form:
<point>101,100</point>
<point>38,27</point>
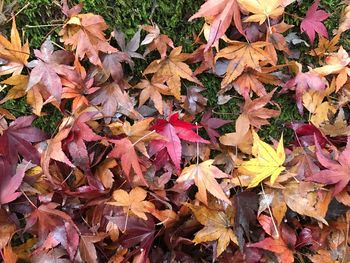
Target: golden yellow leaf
<point>268,162</point>
<point>262,9</point>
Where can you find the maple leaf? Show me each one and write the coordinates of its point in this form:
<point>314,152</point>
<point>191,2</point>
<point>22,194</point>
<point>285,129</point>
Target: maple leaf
<point>112,66</point>
<point>54,227</point>
<point>138,134</point>
<point>13,53</point>
<point>19,83</point>
<point>113,99</point>
<point>262,9</point>
<point>255,112</point>
<point>54,151</point>
<point>307,199</point>
<point>80,133</point>
<point>84,33</point>
<point>48,68</point>
<point>78,86</point>
<point>223,12</point>
<point>124,149</point>
<point>278,246</point>
<point>211,124</point>
<point>205,57</point>
<point>153,90</point>
<point>246,205</point>
<point>138,232</point>
<point>155,40</point>
<point>131,47</point>
<point>312,22</point>
<point>336,171</point>
<point>267,161</point>
<point>217,226</point>
<point>9,184</point>
<point>204,175</point>
<point>241,55</point>
<point>326,46</point>
<point>174,68</point>
<point>56,255</point>
<point>303,82</point>
<point>173,130</point>
<point>253,80</point>
<point>133,202</point>
<point>336,63</point>
<point>18,139</point>
<point>87,248</point>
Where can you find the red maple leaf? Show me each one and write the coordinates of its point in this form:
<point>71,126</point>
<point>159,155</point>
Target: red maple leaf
<point>312,22</point>
<point>173,130</point>
<point>211,124</point>
<point>18,139</point>
<point>79,134</point>
<point>336,172</point>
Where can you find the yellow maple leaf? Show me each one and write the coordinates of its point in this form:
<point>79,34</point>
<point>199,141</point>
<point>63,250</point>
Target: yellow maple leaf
<point>268,162</point>
<point>262,9</point>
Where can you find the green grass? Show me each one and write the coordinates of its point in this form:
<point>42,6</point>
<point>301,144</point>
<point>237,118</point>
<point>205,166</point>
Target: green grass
<point>172,18</point>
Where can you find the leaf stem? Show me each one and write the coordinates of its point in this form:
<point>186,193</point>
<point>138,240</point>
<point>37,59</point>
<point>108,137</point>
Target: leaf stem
<point>270,212</point>
<point>143,137</point>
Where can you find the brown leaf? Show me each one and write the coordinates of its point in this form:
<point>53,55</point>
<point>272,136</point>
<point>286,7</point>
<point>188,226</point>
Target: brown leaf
<point>87,248</point>
<point>242,55</point>
<point>307,199</point>
<point>217,226</point>
<point>84,33</point>
<point>133,202</point>
<point>153,90</point>
<point>255,111</point>
<point>175,69</point>
<point>13,52</point>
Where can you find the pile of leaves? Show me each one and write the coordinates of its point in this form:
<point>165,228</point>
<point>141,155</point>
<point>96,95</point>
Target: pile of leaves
<point>140,171</point>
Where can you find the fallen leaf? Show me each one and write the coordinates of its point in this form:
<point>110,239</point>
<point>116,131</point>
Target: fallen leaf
<point>204,175</point>
<point>241,55</point>
<point>217,226</point>
<point>133,202</point>
<point>174,68</point>
<point>267,162</point>
<point>312,22</point>
<point>84,33</point>
<point>261,9</point>
<point>307,199</point>
<point>15,55</point>
<point>336,171</point>
<point>223,11</point>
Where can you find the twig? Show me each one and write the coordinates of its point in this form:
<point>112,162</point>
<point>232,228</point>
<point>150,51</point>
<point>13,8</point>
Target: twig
<point>39,26</point>
<point>24,7</point>
<point>293,15</point>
